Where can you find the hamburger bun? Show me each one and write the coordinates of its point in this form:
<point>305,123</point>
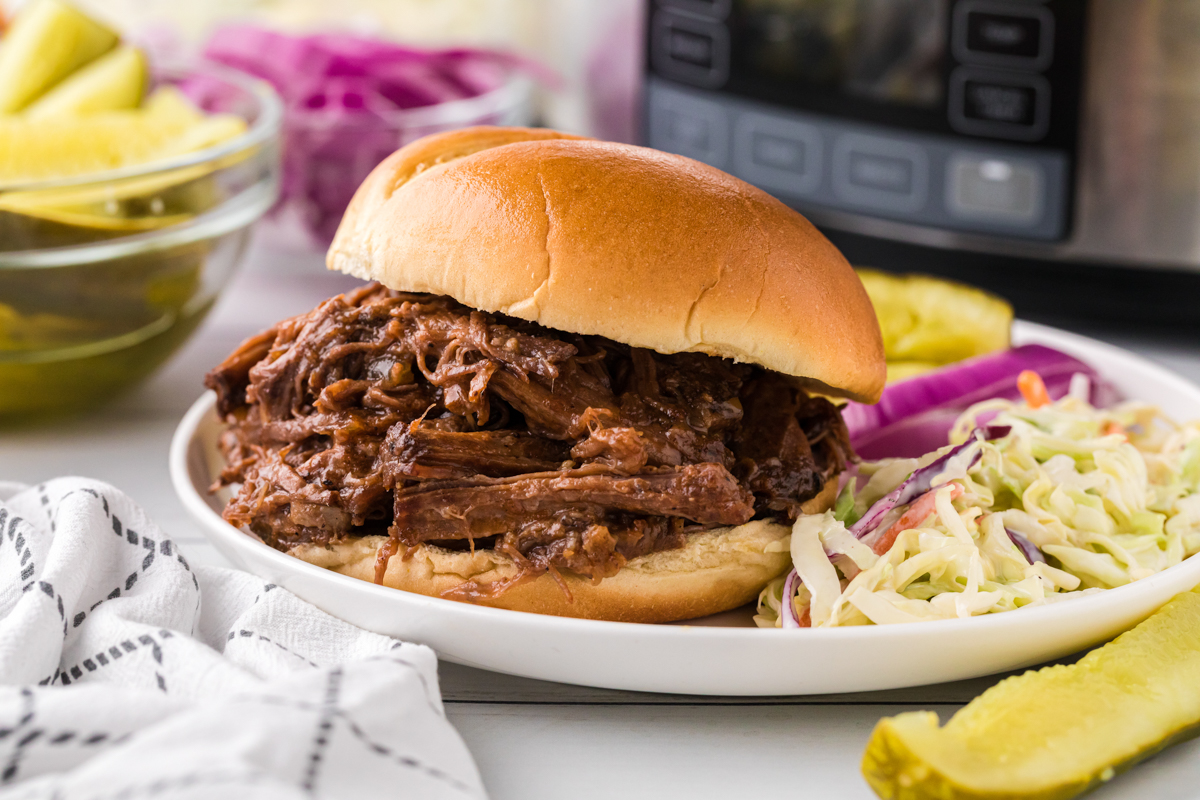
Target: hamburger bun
<point>643,247</point>
<point>714,571</point>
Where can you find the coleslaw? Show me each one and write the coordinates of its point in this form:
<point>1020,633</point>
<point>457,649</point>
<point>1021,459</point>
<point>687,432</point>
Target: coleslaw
<point>1033,501</point>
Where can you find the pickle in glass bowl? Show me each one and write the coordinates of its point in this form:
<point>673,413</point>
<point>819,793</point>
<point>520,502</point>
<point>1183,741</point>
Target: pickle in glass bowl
<point>101,326</point>
<point>104,275</point>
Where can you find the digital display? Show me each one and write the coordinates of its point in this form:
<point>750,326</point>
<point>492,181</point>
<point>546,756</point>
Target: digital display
<point>890,51</point>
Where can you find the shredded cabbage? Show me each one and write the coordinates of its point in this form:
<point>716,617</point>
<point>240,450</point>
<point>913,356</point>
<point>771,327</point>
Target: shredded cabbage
<point>1108,496</point>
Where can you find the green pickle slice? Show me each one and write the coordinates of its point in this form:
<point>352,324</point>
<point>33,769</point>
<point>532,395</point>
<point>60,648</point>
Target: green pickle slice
<point>1055,732</point>
<point>926,319</point>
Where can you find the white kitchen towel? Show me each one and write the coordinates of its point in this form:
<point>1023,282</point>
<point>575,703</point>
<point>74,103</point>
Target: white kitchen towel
<point>127,673</point>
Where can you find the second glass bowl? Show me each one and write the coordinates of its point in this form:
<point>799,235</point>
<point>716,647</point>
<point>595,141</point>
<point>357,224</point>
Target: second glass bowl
<point>327,156</point>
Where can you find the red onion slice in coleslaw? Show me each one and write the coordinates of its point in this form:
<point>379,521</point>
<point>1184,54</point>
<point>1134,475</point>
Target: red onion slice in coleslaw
<point>953,463</point>
<point>1032,554</point>
<point>787,610</point>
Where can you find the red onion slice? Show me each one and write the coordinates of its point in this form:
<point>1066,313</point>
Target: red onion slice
<point>788,610</point>
<point>958,460</point>
<point>914,416</point>
<point>1027,548</point>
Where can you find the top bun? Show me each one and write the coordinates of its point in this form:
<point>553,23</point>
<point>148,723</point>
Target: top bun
<point>647,248</point>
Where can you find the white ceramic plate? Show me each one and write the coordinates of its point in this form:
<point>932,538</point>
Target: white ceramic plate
<point>718,656</point>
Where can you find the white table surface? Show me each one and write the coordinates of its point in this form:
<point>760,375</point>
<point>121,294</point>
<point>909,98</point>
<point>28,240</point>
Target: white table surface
<point>532,739</point>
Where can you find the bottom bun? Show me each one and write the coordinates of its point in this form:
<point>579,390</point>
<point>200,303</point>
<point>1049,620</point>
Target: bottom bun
<point>713,571</point>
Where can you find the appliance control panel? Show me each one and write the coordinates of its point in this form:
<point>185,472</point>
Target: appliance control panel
<point>811,160</point>
<point>954,114</point>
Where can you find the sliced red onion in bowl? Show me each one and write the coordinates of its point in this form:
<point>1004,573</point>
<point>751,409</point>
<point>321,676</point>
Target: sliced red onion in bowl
<point>1027,548</point>
<point>351,101</point>
<point>914,416</point>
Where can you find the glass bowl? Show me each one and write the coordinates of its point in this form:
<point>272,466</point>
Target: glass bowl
<point>103,276</point>
<point>327,156</point>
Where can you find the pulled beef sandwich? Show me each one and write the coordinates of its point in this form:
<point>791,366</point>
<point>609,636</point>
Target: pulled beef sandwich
<point>587,381</point>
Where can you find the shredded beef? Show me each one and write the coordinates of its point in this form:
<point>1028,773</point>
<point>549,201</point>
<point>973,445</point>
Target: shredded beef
<point>424,452</point>
<point>411,414</point>
<point>703,493</point>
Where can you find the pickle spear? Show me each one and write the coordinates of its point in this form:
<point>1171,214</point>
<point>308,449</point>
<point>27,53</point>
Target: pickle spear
<point>47,41</point>
<point>1053,733</point>
<point>114,81</point>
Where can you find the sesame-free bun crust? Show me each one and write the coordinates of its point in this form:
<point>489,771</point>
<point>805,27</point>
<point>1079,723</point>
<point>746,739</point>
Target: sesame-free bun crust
<point>647,248</point>
<point>714,571</point>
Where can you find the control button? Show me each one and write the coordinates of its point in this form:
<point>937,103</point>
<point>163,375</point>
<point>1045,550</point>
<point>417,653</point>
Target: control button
<point>691,50</point>
<point>999,104</point>
<point>887,174</point>
<point>688,126</point>
<point>711,9</point>
<point>777,154</point>
<point>783,154</point>
<point>1004,35</point>
<point>1014,105</point>
<point>991,189</point>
